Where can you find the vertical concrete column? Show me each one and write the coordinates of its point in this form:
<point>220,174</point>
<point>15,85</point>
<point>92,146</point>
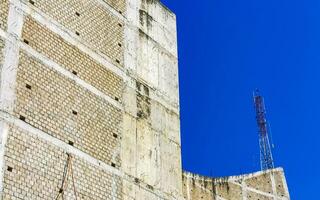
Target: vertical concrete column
<point>273,184</point>
<point>8,77</point>
<point>188,189</point>
<point>131,36</point>
<point>11,59</point>
<point>129,133</point>
<point>244,190</point>
<point>4,128</point>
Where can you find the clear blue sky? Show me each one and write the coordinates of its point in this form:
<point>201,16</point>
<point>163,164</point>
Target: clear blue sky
<point>227,48</point>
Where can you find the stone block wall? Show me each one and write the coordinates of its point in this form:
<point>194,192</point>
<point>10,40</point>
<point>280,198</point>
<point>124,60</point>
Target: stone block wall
<point>265,185</point>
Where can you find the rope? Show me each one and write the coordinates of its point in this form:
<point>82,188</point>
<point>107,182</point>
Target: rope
<point>74,186</point>
<point>66,173</point>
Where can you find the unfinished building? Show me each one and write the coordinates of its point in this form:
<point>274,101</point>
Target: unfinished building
<point>90,106</point>
<point>264,185</point>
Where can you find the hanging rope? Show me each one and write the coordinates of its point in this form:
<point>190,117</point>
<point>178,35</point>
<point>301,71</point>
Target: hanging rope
<point>74,186</point>
<point>68,170</point>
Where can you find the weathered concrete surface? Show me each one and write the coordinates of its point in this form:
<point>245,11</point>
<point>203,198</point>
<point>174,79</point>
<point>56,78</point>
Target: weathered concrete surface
<point>89,99</point>
<point>266,185</point>
<point>95,80</point>
<point>151,139</point>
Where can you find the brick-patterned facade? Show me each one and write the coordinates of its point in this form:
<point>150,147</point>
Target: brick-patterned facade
<point>1,52</point>
<point>119,5</point>
<point>66,111</point>
<point>71,58</point>
<point>267,185</point>
<point>89,106</point>
<point>282,189</point>
<point>91,21</point>
<point>37,170</point>
<point>261,183</point>
<point>4,9</point>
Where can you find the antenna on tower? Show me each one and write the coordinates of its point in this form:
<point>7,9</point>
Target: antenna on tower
<point>266,159</point>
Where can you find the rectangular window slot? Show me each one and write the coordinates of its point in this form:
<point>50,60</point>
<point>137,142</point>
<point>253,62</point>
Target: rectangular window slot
<point>74,112</point>
<point>120,12</point>
<point>119,44</point>
<point>23,118</point>
<point>31,2</point>
<point>25,41</point>
<point>10,169</point>
<point>113,165</point>
<point>116,98</point>
<point>71,143</point>
<point>118,61</point>
<point>78,14</point>
<point>120,25</point>
<point>115,135</point>
<point>28,86</point>
<point>136,180</point>
<point>77,33</point>
<point>75,73</point>
<point>139,114</point>
<point>150,187</point>
<point>146,90</point>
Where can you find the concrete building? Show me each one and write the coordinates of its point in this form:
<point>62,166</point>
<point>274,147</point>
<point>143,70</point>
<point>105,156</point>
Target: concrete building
<point>264,185</point>
<point>90,106</point>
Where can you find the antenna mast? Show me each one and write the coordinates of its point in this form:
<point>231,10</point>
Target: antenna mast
<point>266,159</point>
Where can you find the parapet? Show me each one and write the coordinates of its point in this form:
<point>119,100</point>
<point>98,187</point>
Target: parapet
<point>263,185</point>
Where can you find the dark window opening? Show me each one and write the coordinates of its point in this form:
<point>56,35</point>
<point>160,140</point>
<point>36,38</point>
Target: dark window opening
<point>150,187</point>
<point>25,41</point>
<point>9,169</point>
<point>28,86</point>
<point>23,118</point>
<point>71,143</point>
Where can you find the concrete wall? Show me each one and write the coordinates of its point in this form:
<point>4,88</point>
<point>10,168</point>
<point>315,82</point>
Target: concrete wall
<point>89,100</point>
<point>266,185</point>
<point>89,105</point>
<point>151,102</point>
